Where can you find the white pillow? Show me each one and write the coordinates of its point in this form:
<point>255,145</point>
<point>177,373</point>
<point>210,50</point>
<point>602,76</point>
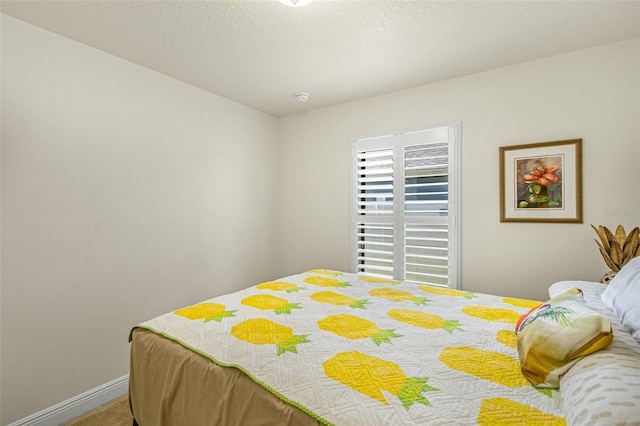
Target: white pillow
<point>622,296</point>
<point>592,291</point>
<point>602,389</point>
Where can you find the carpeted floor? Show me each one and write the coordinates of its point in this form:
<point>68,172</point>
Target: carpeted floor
<point>113,413</point>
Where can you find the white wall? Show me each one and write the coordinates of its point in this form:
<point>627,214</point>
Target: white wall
<point>592,94</point>
<point>125,194</point>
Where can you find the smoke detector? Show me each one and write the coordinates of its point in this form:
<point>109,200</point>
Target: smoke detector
<point>301,96</point>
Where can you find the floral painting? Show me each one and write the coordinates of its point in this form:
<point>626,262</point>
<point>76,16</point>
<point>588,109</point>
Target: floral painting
<point>541,182</point>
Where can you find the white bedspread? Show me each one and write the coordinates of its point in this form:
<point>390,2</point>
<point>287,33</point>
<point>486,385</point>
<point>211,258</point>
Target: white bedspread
<point>355,352</point>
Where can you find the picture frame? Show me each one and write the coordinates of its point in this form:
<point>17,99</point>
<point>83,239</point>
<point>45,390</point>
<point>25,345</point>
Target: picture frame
<point>541,182</point>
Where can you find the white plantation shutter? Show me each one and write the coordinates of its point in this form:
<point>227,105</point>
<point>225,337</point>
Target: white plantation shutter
<point>405,207</point>
<point>375,249</point>
<point>375,182</point>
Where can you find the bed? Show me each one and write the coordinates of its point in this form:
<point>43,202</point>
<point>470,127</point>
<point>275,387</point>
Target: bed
<point>327,347</point>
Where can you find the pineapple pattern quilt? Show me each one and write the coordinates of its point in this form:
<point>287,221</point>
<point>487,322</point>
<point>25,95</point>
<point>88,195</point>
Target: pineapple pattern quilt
<point>354,350</point>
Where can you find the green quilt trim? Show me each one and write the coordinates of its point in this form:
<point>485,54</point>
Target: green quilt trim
<point>251,376</point>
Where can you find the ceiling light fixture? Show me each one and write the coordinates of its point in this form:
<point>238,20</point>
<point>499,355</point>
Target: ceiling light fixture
<point>301,96</point>
<point>295,3</point>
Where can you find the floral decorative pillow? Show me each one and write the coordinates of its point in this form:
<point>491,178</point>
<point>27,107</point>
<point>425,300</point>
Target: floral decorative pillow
<point>554,336</point>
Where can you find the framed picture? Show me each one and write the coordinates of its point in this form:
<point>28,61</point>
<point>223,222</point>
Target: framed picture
<point>541,182</point>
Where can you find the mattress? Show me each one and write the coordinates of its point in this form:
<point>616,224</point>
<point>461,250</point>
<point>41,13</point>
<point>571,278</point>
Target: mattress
<point>326,347</point>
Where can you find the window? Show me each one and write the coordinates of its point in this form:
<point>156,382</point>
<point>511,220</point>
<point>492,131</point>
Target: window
<point>405,205</point>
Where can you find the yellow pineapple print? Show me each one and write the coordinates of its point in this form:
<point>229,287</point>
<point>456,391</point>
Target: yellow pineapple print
<point>507,338</point>
<point>504,412</point>
<point>261,331</point>
<point>324,271</point>
<point>488,365</point>
<point>521,303</point>
<point>339,299</point>
<point>325,282</point>
<point>206,311</point>
<point>375,280</point>
<point>279,286</point>
<point>492,314</point>
<point>398,295</point>
<point>423,319</point>
<point>353,327</point>
<point>267,302</point>
<point>370,375</point>
<point>446,291</point>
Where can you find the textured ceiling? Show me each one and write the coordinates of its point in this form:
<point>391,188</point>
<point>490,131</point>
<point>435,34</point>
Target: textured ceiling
<point>259,53</point>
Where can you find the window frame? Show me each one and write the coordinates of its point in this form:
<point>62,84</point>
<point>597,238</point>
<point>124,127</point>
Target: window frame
<point>397,141</point>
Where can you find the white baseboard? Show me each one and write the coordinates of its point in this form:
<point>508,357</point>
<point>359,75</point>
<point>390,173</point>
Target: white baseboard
<point>61,413</point>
